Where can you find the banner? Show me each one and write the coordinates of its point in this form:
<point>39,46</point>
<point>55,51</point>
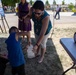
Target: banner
<point>1,9</point>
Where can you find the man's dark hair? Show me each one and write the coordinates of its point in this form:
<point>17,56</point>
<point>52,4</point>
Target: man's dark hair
<point>38,5</point>
<point>13,28</point>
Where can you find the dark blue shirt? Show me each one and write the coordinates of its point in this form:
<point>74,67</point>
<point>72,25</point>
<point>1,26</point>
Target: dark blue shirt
<point>15,54</point>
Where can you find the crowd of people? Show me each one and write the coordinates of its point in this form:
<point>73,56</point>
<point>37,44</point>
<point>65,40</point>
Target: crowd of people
<point>42,29</point>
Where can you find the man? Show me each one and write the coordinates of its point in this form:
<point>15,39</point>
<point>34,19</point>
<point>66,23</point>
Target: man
<point>58,9</point>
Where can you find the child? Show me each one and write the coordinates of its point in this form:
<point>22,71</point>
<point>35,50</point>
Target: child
<point>3,62</point>
<point>15,54</point>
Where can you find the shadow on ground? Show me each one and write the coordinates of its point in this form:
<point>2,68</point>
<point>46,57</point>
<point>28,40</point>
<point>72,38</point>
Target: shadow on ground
<point>51,64</point>
<point>74,14</point>
<point>9,12</point>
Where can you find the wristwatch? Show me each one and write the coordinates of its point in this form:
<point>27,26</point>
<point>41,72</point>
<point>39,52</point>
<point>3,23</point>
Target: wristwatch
<point>75,37</point>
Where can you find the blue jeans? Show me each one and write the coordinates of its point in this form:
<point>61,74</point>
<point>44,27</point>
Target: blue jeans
<point>57,13</point>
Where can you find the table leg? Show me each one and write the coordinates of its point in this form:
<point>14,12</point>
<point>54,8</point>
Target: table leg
<point>1,29</point>
<point>72,67</point>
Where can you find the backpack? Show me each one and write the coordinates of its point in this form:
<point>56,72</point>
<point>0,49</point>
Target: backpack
<point>59,9</point>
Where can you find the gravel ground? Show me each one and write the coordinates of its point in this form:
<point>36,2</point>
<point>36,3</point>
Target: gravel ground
<point>56,59</point>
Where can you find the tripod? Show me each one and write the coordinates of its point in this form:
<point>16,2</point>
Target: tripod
<point>1,28</point>
<point>3,19</point>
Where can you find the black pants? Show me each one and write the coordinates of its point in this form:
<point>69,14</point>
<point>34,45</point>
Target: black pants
<point>3,62</point>
<point>20,70</point>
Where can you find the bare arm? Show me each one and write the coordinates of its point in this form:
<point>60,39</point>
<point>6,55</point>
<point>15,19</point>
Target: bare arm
<point>43,30</point>
<point>29,15</point>
<point>29,7</point>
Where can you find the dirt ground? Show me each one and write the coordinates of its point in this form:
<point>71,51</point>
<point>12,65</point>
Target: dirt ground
<point>56,58</point>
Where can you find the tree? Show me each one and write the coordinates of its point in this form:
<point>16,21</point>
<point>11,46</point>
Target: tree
<point>54,2</point>
<point>9,2</point>
<point>63,2</point>
<point>31,2</point>
<point>47,2</point>
<point>71,6</point>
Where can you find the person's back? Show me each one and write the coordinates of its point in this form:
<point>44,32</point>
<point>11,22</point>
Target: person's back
<point>57,9</point>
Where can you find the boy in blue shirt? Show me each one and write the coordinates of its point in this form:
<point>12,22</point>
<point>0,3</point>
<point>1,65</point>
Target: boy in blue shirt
<point>15,54</point>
